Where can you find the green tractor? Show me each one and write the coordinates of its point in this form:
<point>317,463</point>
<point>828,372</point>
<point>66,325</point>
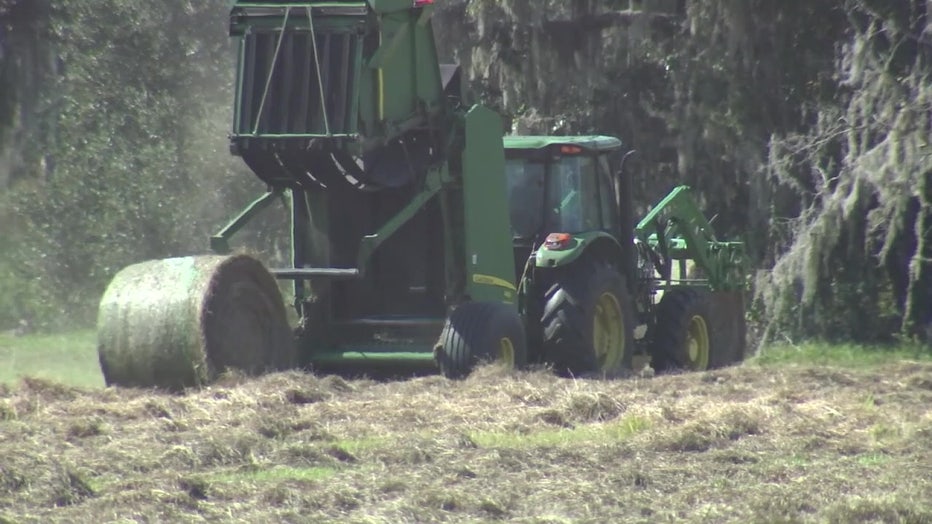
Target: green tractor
<point>420,235</point>
<point>598,291</point>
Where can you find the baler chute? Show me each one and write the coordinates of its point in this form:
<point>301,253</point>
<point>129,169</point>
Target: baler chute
<point>351,89</point>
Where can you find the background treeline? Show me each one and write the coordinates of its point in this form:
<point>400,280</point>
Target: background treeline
<point>804,125</point>
<point>114,119</point>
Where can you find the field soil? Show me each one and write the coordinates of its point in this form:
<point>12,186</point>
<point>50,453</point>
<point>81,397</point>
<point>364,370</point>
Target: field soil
<point>745,444</point>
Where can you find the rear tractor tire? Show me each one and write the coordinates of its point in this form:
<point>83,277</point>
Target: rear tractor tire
<point>696,332</point>
<point>478,332</point>
<point>588,321</point>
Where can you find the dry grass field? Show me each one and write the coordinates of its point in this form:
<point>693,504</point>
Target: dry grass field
<point>772,442</point>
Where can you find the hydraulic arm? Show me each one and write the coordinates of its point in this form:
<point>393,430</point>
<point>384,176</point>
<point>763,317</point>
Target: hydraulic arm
<point>676,229</point>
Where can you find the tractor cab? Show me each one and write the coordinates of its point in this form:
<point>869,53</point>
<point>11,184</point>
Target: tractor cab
<point>560,184</point>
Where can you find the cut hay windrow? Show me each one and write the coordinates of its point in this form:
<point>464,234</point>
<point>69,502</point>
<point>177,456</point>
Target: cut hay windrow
<point>179,322</point>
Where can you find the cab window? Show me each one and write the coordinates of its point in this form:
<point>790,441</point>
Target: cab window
<point>573,195</point>
<point>525,196</point>
<point>608,206</point>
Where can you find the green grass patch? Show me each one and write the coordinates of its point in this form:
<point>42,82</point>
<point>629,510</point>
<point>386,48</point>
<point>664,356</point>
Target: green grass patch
<point>873,459</point>
<point>839,355</point>
<point>362,445</point>
<point>604,433</point>
<point>272,475</point>
<point>69,358</point>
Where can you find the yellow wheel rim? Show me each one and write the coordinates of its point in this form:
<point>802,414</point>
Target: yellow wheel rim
<point>608,332</point>
<point>697,344</point>
<point>506,353</point>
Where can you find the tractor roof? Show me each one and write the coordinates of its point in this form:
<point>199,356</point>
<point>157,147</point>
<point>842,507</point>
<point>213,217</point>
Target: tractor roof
<point>593,142</point>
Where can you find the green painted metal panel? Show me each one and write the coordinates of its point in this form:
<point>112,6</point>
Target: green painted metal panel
<point>595,142</point>
<point>487,231</point>
<point>406,67</point>
<point>395,69</point>
<point>388,6</point>
<point>428,84</point>
<point>577,246</point>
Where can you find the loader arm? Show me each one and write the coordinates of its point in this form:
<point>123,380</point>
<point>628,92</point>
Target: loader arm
<point>677,230</point>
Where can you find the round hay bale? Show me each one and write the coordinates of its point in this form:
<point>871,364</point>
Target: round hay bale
<point>180,322</point>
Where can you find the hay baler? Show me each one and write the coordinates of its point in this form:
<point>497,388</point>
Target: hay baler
<point>419,235</point>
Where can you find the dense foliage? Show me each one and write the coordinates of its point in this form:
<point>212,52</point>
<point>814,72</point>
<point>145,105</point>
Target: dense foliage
<point>804,125</point>
<point>130,161</point>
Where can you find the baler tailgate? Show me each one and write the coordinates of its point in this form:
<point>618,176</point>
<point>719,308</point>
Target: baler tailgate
<point>284,90</point>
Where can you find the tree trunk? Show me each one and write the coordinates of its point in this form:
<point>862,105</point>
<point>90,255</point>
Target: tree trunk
<point>917,319</point>
<point>27,63</point>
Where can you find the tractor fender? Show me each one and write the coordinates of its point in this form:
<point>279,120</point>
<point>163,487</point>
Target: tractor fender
<point>596,243</point>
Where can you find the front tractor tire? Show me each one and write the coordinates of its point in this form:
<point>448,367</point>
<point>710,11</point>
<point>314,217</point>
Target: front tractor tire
<point>693,334</point>
<point>588,321</point>
<point>478,332</point>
